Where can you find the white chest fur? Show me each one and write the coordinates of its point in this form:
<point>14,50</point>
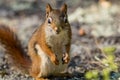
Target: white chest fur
<point>47,67</point>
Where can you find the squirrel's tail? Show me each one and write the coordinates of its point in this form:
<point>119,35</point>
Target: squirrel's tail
<point>13,47</point>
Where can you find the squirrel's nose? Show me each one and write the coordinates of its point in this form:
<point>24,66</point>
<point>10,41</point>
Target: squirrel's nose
<point>57,31</point>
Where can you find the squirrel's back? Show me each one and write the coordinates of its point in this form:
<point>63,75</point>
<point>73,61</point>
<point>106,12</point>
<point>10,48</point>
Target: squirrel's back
<point>13,48</point>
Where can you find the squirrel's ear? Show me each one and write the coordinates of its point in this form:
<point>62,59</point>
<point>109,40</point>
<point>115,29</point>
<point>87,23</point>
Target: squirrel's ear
<point>48,9</point>
<point>64,8</point>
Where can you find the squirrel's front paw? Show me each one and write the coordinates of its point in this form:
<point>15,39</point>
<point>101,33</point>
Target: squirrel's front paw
<point>65,58</point>
<point>55,60</point>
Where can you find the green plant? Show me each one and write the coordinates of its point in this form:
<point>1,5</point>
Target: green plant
<point>109,65</point>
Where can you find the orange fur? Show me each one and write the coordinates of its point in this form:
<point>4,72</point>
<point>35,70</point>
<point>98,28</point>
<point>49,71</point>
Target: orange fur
<point>39,38</point>
<point>14,48</point>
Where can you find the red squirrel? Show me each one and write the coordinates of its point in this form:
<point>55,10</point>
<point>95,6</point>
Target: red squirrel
<point>48,47</point>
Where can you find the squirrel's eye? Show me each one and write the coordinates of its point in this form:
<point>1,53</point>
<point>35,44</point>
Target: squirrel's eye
<point>65,19</point>
<point>49,20</point>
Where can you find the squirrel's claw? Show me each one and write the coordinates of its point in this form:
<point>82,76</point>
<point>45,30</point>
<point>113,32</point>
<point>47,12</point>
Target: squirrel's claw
<point>55,60</point>
<point>65,58</point>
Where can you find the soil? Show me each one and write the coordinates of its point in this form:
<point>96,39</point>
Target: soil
<point>95,24</point>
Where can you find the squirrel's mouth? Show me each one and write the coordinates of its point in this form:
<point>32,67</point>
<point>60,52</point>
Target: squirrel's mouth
<point>57,32</point>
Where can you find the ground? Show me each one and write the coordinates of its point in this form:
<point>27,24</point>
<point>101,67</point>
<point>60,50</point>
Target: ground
<point>95,24</point>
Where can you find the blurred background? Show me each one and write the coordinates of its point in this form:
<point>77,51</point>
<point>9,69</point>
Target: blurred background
<point>95,24</point>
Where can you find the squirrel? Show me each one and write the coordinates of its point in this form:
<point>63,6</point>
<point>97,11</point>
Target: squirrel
<point>48,47</point>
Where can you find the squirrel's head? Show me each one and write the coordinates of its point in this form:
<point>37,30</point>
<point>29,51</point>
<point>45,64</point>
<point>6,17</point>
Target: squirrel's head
<point>56,19</point>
